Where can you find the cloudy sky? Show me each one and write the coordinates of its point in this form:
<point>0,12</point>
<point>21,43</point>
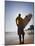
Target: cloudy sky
<point>12,9</point>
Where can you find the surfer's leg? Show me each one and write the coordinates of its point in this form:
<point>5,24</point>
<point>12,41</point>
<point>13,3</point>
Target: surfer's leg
<point>20,38</point>
<point>23,38</point>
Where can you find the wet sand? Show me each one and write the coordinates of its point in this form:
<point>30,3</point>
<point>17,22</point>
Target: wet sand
<point>11,38</point>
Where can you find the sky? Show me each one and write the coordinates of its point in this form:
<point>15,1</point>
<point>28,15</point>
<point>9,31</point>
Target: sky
<point>12,9</point>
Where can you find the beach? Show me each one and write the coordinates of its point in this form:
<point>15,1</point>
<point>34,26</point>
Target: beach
<point>12,38</point>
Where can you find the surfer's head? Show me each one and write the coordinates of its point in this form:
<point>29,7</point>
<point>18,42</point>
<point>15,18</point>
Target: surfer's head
<point>19,15</point>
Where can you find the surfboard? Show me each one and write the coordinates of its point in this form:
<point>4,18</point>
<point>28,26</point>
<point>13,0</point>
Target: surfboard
<point>27,19</point>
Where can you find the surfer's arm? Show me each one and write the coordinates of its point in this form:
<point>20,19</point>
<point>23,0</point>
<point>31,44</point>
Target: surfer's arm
<point>16,20</point>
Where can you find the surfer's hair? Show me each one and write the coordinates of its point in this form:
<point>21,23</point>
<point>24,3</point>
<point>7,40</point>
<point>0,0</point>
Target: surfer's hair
<point>19,15</point>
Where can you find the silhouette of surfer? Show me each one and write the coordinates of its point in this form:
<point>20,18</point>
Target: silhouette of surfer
<point>19,22</point>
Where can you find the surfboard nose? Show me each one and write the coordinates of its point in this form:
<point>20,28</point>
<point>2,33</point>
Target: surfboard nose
<point>29,16</point>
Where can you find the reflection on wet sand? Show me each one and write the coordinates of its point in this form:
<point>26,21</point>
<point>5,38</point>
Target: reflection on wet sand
<point>11,38</point>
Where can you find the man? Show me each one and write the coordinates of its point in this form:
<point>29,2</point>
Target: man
<point>19,22</point>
